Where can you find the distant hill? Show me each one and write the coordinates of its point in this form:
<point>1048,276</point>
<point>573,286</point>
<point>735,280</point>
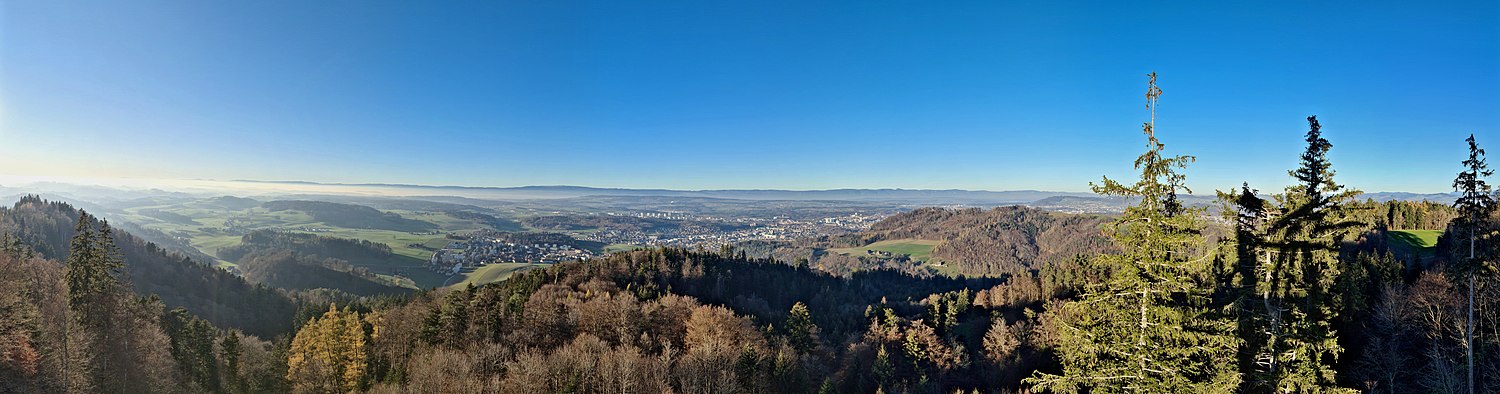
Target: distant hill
<point>591,222</point>
<point>425,197</point>
<point>909,196</point>
<point>350,216</point>
<point>232,203</point>
<point>1445,198</point>
<point>1005,240</point>
<point>1106,204</point>
<point>1052,200</point>
<point>285,269</point>
<point>973,242</point>
<point>307,244</point>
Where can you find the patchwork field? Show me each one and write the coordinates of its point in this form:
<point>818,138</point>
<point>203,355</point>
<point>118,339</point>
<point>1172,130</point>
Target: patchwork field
<point>916,249</point>
<point>210,228</point>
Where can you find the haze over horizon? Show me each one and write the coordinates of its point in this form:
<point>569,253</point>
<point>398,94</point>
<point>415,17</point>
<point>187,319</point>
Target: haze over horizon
<point>786,96</point>
<point>282,188</point>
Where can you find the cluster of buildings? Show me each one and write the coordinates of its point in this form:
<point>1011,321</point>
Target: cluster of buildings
<point>854,222</point>
<point>749,229</point>
<point>702,231</point>
<point>661,215</point>
<point>483,250</point>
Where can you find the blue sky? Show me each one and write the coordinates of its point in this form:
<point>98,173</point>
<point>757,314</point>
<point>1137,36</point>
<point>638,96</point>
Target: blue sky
<point>756,94</point>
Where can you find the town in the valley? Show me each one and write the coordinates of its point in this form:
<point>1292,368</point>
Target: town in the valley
<point>707,232</point>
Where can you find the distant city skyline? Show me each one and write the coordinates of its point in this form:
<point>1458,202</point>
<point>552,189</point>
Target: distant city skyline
<point>770,95</point>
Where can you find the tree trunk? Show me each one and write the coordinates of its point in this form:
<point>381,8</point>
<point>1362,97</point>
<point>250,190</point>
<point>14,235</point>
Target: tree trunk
<point>1469,327</point>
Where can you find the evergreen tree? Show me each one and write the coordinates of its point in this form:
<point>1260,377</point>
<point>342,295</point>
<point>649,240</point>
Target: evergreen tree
<point>92,272</point>
<point>229,351</point>
<point>802,334</point>
<point>92,283</point>
<point>1148,327</point>
<point>1474,206</point>
<point>1288,274</point>
<point>192,345</point>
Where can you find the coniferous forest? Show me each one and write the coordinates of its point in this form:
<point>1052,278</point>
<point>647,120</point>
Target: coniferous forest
<point>1296,289</point>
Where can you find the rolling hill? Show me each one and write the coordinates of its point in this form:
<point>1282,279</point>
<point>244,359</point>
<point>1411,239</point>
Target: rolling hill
<point>216,295</point>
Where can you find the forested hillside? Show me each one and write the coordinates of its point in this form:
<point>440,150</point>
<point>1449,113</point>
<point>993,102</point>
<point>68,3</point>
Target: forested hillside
<point>307,244</point>
<point>76,326</point>
<point>296,261</point>
<point>216,295</point>
<point>995,242</point>
<point>656,320</point>
<point>973,242</point>
<point>350,216</point>
<point>285,269</point>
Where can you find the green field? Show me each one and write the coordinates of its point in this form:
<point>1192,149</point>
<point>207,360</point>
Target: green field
<point>917,249</point>
<point>495,272</point>
<point>208,233</point>
<point>1418,239</point>
<point>1419,243</point>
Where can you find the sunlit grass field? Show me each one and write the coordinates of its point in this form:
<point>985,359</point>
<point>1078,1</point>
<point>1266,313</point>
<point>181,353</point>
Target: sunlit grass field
<point>495,272</point>
<point>917,249</point>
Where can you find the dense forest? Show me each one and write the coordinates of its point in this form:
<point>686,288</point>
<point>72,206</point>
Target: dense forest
<point>295,261</point>
<point>1001,241</point>
<point>218,296</point>
<point>75,325</point>
<point>997,242</point>
<point>350,215</point>
<point>672,319</point>
<point>308,244</point>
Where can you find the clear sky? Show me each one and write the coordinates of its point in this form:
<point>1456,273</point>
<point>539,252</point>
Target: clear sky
<point>990,95</point>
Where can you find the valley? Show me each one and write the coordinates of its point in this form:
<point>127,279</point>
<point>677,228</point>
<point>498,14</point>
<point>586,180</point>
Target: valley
<point>604,197</point>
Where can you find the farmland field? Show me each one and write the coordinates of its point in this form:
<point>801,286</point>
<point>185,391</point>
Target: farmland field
<point>917,249</point>
<point>210,228</point>
<point>1416,243</point>
<point>495,273</point>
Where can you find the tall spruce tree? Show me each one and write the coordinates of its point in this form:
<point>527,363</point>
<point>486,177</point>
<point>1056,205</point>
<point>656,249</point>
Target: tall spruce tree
<point>1149,326</point>
<point>1474,205</point>
<point>97,297</point>
<point>1287,273</point>
<point>92,273</point>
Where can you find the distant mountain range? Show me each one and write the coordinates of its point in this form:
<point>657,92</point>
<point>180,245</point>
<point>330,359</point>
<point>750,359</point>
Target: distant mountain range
<point>916,196</point>
<point>1051,200</point>
<point>897,196</point>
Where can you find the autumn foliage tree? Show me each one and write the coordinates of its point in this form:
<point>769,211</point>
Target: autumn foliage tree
<point>328,354</point>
